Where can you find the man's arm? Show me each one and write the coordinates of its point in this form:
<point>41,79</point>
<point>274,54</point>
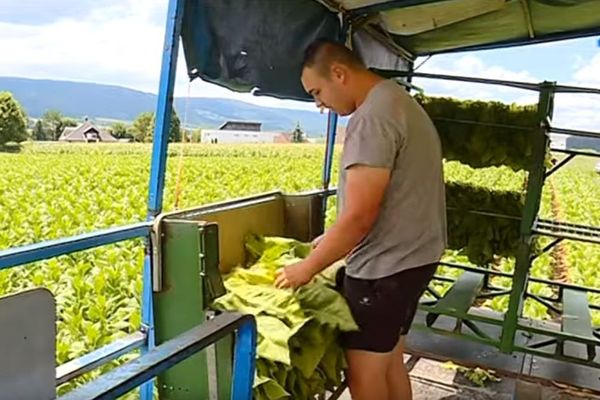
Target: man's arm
<point>364,192</point>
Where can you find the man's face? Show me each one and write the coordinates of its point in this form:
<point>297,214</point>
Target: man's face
<point>329,91</point>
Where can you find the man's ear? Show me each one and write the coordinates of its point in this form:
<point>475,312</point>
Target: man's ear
<point>339,72</point>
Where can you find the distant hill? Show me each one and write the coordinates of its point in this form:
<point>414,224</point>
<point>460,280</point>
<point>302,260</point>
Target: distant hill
<point>96,101</point>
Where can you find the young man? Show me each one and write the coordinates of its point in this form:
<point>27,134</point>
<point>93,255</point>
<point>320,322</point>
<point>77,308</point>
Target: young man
<point>391,226</point>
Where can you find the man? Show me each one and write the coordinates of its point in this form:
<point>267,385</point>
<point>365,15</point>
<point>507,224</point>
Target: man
<point>391,226</point>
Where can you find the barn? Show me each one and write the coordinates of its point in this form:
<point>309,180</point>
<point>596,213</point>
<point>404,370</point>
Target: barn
<point>85,133</point>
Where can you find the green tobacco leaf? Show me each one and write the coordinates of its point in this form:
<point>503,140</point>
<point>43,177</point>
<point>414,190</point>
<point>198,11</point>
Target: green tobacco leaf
<point>273,339</point>
<point>266,388</point>
<point>308,347</point>
<point>330,365</point>
<point>327,306</point>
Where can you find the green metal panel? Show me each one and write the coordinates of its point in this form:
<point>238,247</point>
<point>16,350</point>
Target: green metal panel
<point>209,262</point>
<point>214,288</point>
<point>224,360</point>
<point>179,307</point>
<point>576,320</point>
<point>576,315</point>
<point>535,184</point>
<point>459,298</point>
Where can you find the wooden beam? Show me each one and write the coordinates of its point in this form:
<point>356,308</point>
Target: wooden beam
<point>528,19</point>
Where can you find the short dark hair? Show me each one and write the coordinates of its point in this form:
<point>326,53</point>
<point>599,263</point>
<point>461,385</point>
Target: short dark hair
<point>322,52</point>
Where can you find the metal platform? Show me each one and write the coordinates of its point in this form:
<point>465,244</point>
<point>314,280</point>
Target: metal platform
<point>566,230</point>
<point>543,371</point>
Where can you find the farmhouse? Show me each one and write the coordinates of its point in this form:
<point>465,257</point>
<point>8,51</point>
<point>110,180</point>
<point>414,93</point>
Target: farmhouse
<point>86,132</point>
<point>242,132</point>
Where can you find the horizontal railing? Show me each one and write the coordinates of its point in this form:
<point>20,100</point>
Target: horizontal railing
<point>80,366</point>
<point>123,379</point>
<point>40,251</point>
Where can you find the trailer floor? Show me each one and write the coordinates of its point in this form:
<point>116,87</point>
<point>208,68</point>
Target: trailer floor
<point>522,377</point>
<point>433,380</point>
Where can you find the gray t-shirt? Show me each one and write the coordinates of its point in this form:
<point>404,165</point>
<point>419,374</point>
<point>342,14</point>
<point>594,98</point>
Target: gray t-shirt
<point>391,130</point>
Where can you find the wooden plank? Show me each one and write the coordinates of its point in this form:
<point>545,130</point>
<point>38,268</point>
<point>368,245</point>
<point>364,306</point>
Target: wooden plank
<point>459,298</point>
<point>576,320</point>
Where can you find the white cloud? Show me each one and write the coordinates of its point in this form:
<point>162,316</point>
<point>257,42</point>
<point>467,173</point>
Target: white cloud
<point>574,111</point>
<point>589,74</point>
<point>120,43</point>
<point>474,66</point>
<point>107,46</point>
<point>581,111</point>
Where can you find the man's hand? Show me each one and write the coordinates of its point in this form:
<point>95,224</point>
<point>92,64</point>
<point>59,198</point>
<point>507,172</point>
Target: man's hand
<point>365,190</point>
<point>294,276</point>
<point>316,241</point>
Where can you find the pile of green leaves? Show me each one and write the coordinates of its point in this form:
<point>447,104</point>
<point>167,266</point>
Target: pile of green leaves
<point>52,190</point>
<point>505,140</point>
<point>472,228</point>
<point>298,354</point>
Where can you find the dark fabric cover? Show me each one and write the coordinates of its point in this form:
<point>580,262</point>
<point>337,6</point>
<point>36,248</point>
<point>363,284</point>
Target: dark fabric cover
<point>249,45</point>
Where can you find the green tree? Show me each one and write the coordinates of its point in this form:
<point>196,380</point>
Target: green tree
<point>39,133</point>
<point>142,129</point>
<point>54,123</point>
<point>69,122</point>
<point>197,136</point>
<point>175,128</point>
<point>119,130</point>
<point>298,135</point>
<point>13,122</point>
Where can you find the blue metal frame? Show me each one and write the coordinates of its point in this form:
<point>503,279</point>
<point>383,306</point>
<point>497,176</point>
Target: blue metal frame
<point>123,379</point>
<point>164,110</point>
<point>332,120</point>
<point>39,251</point>
<point>97,358</point>
<point>244,362</point>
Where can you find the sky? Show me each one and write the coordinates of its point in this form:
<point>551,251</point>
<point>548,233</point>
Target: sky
<point>120,42</point>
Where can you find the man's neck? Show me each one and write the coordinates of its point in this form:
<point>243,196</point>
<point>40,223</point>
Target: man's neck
<point>365,82</point>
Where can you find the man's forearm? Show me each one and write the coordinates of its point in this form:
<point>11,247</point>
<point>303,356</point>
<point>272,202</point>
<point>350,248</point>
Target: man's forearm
<point>340,239</point>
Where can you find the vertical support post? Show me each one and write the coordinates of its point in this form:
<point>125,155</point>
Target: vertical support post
<point>409,78</point>
<point>535,184</point>
<point>332,120</point>
<point>159,159</point>
<point>164,108</point>
<point>244,362</point>
<point>180,307</point>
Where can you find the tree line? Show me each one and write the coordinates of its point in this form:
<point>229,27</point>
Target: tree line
<point>16,127</point>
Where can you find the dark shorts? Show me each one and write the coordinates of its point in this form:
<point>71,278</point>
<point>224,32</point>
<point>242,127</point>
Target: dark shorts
<point>383,308</point>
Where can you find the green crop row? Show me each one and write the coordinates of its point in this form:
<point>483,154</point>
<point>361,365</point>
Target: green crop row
<point>53,191</point>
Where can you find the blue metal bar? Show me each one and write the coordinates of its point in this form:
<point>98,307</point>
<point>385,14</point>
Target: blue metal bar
<point>95,359</point>
<point>147,389</point>
<point>244,362</point>
<point>332,120</point>
<point>53,248</point>
<point>164,110</point>
<point>121,380</point>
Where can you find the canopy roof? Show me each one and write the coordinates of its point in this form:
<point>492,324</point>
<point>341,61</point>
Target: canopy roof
<point>257,45</point>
